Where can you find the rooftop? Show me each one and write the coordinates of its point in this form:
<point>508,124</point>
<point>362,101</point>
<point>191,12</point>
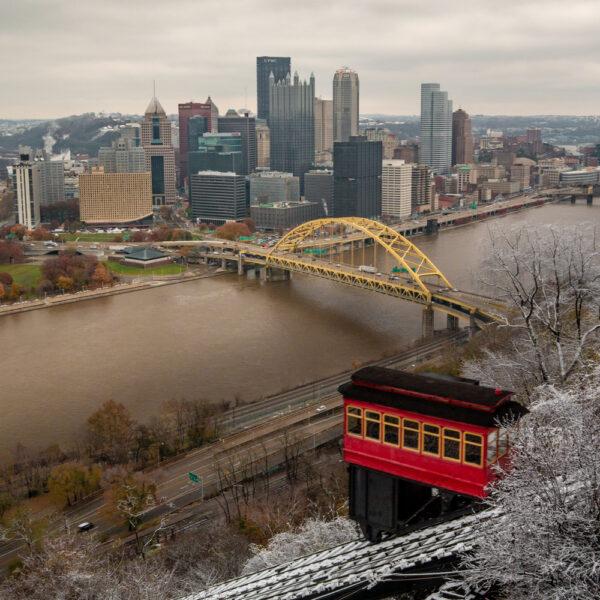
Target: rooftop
<point>155,107</point>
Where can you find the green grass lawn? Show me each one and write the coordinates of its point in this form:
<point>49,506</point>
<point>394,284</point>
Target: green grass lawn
<point>169,269</point>
<point>24,274</point>
<point>87,237</point>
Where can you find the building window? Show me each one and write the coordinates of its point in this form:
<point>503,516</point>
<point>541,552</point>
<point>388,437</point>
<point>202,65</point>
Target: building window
<point>354,421</point>
<point>157,165</point>
<point>452,444</point>
<point>391,430</point>
<point>372,425</point>
<point>502,442</point>
<point>410,434</point>
<point>492,447</point>
<point>473,449</point>
<point>431,439</point>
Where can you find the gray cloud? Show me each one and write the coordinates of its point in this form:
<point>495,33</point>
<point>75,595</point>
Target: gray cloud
<point>513,57</point>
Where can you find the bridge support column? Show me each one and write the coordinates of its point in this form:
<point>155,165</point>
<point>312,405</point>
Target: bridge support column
<point>427,321</point>
<point>240,265</point>
<point>590,198</point>
<point>274,274</point>
<point>573,199</point>
<point>452,323</point>
<point>472,326</point>
<point>223,263</point>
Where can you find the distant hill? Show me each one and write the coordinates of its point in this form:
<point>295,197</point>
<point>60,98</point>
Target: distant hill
<point>79,133</point>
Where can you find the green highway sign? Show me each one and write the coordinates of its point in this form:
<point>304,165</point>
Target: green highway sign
<point>194,478</point>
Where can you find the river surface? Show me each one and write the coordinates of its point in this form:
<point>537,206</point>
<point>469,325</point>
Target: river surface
<point>214,338</point>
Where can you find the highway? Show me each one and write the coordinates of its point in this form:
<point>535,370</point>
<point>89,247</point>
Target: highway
<point>308,415</point>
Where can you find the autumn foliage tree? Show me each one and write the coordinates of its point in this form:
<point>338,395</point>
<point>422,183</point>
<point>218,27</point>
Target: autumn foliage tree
<point>233,231</point>
<point>110,432</point>
<point>102,276</point>
<point>11,252</point>
<point>71,481</point>
<point>69,271</point>
<point>128,499</point>
<point>41,234</point>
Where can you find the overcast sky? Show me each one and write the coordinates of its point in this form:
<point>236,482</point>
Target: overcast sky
<point>62,57</point>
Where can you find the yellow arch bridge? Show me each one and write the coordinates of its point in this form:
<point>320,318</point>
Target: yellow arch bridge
<point>335,249</point>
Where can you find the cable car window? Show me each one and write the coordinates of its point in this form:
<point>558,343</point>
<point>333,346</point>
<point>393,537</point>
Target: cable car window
<point>391,430</point>
<point>492,446</point>
<point>452,444</point>
<point>431,439</point>
<point>354,421</point>
<point>372,425</point>
<point>502,442</point>
<point>410,434</point>
<point>473,449</point>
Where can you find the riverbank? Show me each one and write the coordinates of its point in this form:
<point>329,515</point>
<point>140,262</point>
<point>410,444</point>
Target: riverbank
<point>120,288</point>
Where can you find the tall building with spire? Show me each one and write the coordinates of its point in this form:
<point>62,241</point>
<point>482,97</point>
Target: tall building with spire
<point>292,124</point>
<point>435,144</point>
<point>280,67</point>
<point>345,104</point>
<point>462,138</point>
<point>160,155</point>
<point>187,110</point>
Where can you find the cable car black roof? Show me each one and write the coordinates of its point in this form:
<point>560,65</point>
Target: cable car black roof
<point>447,398</point>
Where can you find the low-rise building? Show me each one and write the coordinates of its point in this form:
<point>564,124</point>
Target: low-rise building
<point>274,186</point>
<point>318,187</point>
<point>589,176</point>
<point>115,197</point>
<point>501,186</point>
<point>284,215</point>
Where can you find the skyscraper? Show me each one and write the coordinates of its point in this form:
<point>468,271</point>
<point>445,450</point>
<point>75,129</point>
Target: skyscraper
<point>462,138</point>
<point>280,66</point>
<point>357,178</point>
<point>292,125</point>
<point>396,188</point>
<point>263,144</point>
<point>435,146</point>
<point>323,130</point>
<point>188,110</point>
<point>217,152</point>
<point>123,156</point>
<point>245,125</point>
<point>421,193</point>
<point>218,197</point>
<point>345,104</point>
<point>160,156</point>
<point>28,201</point>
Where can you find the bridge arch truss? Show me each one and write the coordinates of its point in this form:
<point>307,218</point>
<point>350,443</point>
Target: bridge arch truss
<point>420,270</point>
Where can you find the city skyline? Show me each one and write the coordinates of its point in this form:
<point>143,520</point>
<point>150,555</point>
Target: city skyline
<point>478,54</point>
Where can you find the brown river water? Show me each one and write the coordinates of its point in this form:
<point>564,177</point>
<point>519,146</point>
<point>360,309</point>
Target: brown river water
<point>214,338</point>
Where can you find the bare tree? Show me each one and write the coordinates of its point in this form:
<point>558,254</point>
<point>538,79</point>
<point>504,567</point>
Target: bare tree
<point>313,535</point>
<point>549,279</point>
<point>545,543</point>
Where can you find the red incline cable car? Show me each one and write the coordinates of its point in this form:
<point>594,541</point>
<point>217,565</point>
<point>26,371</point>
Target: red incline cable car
<point>416,441</point>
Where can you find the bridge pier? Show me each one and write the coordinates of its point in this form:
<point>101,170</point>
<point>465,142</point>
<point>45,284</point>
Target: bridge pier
<point>589,199</point>
<point>240,265</point>
<point>573,198</point>
<point>274,274</point>
<point>427,322</point>
<point>472,325</point>
<point>452,323</point>
<point>223,263</point>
